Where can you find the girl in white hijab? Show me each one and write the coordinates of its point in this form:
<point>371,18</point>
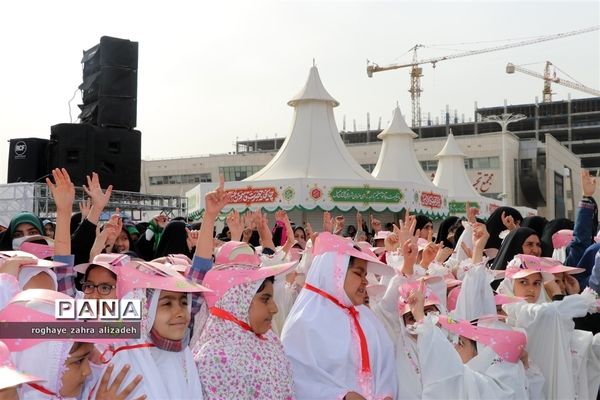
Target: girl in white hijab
<point>161,355</point>
<point>549,325</point>
<point>337,346</point>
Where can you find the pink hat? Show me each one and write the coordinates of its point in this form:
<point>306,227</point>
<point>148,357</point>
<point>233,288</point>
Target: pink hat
<point>453,298</point>
<point>36,262</point>
<point>221,278</point>
<point>406,289</point>
<point>179,262</point>
<point>295,254</point>
<point>9,376</point>
<point>111,262</point>
<point>37,305</point>
<point>556,267</point>
<point>39,250</point>
<point>451,281</point>
<point>564,237</point>
<point>376,290</point>
<point>508,344</point>
<point>382,235</point>
<point>153,275</point>
<point>327,242</point>
<point>504,299</point>
<point>366,247</point>
<point>234,252</point>
<point>524,265</point>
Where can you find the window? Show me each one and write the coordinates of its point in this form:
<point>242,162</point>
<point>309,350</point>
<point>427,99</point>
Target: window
<point>180,179</point>
<point>368,167</point>
<point>482,163</point>
<point>238,172</point>
<point>429,165</point>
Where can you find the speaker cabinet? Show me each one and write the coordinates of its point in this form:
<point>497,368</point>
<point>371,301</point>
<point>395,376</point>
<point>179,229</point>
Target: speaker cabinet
<point>113,153</point>
<point>27,160</point>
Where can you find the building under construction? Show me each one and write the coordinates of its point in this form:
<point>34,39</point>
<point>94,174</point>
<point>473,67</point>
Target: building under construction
<point>574,123</point>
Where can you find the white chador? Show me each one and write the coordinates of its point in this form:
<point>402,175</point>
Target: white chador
<point>485,376</point>
<point>320,339</point>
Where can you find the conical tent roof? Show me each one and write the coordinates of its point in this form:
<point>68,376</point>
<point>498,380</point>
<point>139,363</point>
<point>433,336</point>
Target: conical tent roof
<point>314,148</point>
<point>451,173</point>
<point>397,159</point>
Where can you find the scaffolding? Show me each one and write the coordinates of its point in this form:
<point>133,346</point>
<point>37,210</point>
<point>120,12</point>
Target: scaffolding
<point>37,198</point>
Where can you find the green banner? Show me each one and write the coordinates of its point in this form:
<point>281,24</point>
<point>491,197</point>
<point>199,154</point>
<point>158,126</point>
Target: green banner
<point>365,195</point>
<point>460,207</point>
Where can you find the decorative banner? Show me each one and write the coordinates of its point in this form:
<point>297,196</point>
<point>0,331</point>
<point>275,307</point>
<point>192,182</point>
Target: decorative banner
<point>252,195</point>
<point>431,200</point>
<point>460,207</point>
<point>365,195</point>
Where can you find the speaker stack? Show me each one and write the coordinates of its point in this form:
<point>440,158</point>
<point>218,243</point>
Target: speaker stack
<point>104,141</point>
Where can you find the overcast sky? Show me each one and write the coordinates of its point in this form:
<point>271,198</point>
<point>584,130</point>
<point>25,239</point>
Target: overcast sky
<point>215,71</point>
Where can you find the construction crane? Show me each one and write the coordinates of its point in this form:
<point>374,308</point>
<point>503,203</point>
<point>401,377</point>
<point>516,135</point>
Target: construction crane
<point>417,72</point>
<point>548,78</point>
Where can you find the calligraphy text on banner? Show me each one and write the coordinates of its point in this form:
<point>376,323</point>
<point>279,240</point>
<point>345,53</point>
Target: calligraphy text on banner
<point>252,195</point>
<point>365,195</point>
<point>431,200</point>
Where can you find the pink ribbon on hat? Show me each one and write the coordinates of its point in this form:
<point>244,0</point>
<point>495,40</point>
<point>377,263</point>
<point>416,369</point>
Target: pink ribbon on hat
<point>37,249</point>
<point>151,275</point>
<point>508,344</point>
<point>21,308</point>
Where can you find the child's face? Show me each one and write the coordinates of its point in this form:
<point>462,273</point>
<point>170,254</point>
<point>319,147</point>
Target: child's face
<point>99,276</point>
<point>262,309</point>
<point>77,370</point>
<point>529,287</point>
<point>466,349</point>
<point>355,284</point>
<point>172,315</point>
<point>560,281</point>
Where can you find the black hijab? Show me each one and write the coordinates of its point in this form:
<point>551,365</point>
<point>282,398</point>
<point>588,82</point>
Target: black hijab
<point>442,235</point>
<point>511,246</point>
<point>550,229</point>
<point>422,220</point>
<point>494,225</point>
<point>536,223</point>
<point>173,240</point>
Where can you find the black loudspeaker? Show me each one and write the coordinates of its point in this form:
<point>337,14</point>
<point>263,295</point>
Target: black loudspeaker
<point>27,160</point>
<point>109,88</point>
<point>113,153</point>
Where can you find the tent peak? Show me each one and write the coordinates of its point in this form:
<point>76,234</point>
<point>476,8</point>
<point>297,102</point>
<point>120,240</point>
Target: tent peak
<point>313,90</point>
<point>398,126</point>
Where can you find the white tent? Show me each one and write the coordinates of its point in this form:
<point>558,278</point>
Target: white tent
<point>397,158</point>
<point>452,176</point>
<point>313,170</point>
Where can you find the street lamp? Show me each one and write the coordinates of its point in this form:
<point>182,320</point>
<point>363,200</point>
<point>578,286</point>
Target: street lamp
<point>504,120</point>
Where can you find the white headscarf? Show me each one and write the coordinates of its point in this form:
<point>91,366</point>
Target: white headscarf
<point>550,327</point>
<point>476,297</point>
<point>46,360</point>
<point>26,273</point>
<point>167,374</point>
<point>486,376</point>
<point>319,338</point>
<point>507,287</point>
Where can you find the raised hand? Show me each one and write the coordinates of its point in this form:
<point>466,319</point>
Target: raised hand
<point>391,242</point>
<point>429,253</point>
<point>508,221</point>
<point>192,238</point>
<point>236,227</point>
<point>472,213</point>
<point>339,224</point>
<point>588,183</point>
<point>571,284</point>
<point>416,302</point>
<point>327,222</point>
<point>359,221</point>
<point>13,265</point>
<point>106,392</point>
<point>443,254</point>
<point>375,224</point>
<point>85,207</point>
<point>480,236</point>
<point>410,250</point>
<point>99,197</point>
<point>217,199</point>
<point>63,190</point>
